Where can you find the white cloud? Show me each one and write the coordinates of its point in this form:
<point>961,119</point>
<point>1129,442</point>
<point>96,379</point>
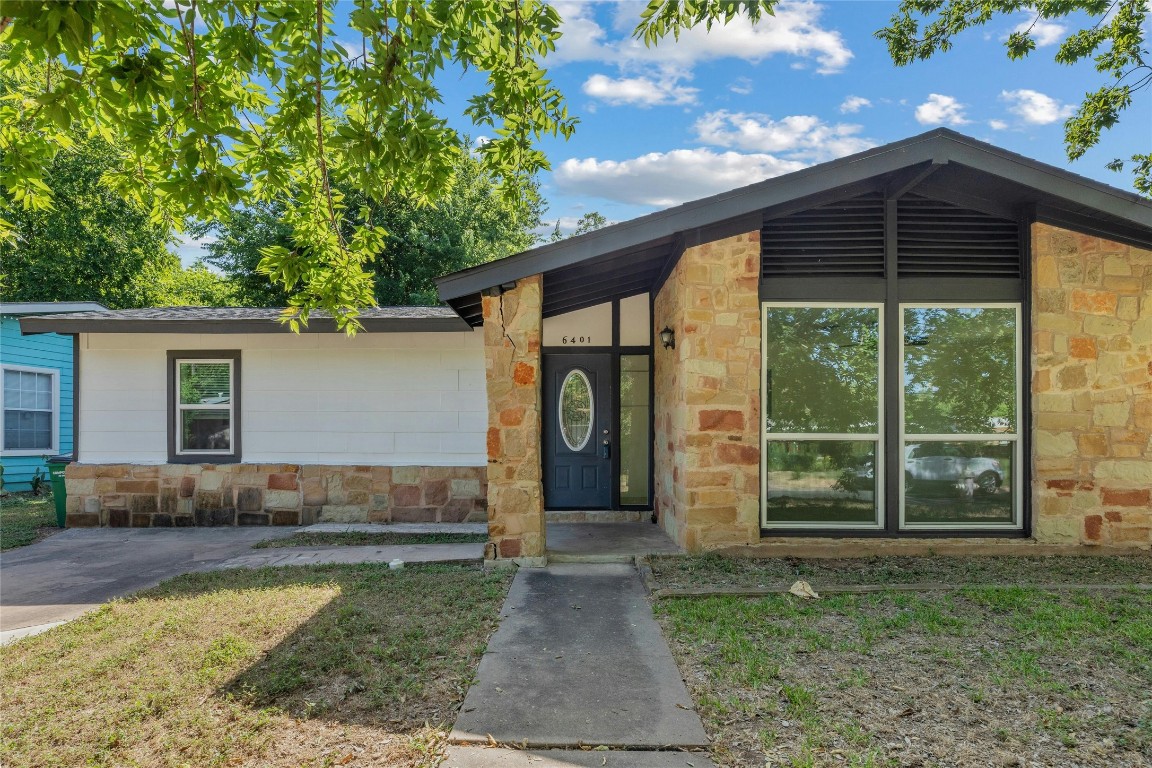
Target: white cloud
<point>640,91</point>
<point>801,137</point>
<point>1035,108</point>
<point>795,31</point>
<point>941,110</point>
<point>668,178</point>
<point>742,86</point>
<point>1042,31</point>
<point>854,104</point>
<point>997,125</point>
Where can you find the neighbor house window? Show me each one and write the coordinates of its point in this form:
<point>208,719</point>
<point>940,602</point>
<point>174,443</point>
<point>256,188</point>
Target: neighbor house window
<point>204,391</point>
<point>31,410</point>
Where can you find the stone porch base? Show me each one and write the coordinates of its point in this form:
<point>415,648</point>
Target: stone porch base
<point>184,495</point>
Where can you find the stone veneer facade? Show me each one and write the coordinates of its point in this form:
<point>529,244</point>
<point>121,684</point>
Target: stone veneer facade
<point>1092,390</point>
<point>707,396</point>
<point>512,338</point>
<point>143,496</point>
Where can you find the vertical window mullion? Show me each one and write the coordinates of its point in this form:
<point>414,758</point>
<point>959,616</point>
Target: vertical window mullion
<point>893,381</point>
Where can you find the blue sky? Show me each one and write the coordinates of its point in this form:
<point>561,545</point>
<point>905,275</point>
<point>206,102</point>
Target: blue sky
<point>719,110</point>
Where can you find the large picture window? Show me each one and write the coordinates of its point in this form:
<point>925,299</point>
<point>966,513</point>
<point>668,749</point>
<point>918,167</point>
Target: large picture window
<point>31,410</point>
<point>204,394</point>
<point>959,399</point>
<point>822,415</point>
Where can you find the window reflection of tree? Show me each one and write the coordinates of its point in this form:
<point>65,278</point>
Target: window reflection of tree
<point>822,370</point>
<point>960,370</point>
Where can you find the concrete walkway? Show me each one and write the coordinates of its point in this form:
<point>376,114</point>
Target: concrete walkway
<point>345,555</point>
<point>485,757</point>
<point>578,660</point>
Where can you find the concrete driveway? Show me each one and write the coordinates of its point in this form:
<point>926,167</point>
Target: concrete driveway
<point>67,574</point>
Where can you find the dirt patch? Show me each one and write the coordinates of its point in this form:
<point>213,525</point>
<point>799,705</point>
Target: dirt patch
<point>1004,677</point>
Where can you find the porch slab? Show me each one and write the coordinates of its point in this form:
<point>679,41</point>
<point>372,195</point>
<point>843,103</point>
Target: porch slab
<point>492,757</point>
<point>578,660</point>
<point>567,540</point>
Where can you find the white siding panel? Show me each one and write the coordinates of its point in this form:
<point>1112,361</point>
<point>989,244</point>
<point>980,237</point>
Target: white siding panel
<point>379,398</point>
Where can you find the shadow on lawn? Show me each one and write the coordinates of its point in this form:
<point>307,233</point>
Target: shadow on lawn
<point>392,648</point>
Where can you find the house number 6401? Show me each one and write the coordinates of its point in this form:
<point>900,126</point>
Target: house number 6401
<point>576,340</point>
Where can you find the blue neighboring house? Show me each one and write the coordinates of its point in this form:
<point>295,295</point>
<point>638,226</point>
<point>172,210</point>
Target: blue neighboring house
<point>37,375</point>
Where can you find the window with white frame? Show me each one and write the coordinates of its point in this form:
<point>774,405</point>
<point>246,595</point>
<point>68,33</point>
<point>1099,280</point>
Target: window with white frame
<point>959,395</point>
<point>31,410</point>
<point>961,404</point>
<point>204,411</point>
<point>822,389</point>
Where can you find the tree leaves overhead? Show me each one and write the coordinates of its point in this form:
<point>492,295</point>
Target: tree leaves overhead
<point>1114,42</point>
<point>223,102</point>
<point>471,224</point>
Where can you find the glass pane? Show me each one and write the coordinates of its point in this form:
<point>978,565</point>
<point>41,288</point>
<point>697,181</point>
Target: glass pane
<point>821,481</point>
<point>957,483</point>
<point>205,384</point>
<point>206,430</point>
<point>959,371</point>
<point>11,389</point>
<point>634,440</point>
<point>27,430</point>
<point>822,369</point>
<point>576,410</point>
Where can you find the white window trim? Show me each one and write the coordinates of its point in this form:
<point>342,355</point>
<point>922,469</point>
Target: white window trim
<point>230,408</point>
<point>55,374</point>
<point>766,437</point>
<point>1017,522</point>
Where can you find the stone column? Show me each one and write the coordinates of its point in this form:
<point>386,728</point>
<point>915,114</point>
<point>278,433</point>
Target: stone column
<point>512,324</point>
<point>707,450</point>
<point>1091,390</point>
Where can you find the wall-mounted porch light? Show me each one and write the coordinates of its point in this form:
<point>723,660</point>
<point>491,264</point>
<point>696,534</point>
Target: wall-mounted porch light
<point>668,338</point>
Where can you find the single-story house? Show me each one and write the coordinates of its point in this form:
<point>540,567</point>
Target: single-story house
<point>37,377</point>
<point>933,338</point>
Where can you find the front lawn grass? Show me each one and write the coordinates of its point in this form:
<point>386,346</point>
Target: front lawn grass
<point>309,666</point>
<point>979,677</point>
<point>353,539</point>
<point>26,519</point>
<point>720,571</point>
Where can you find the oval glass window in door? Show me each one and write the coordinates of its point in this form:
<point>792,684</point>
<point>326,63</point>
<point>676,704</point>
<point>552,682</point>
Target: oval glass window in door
<point>576,410</point>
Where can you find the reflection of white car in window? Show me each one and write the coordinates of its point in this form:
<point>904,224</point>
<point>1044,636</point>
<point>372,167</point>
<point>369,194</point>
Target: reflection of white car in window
<point>946,463</point>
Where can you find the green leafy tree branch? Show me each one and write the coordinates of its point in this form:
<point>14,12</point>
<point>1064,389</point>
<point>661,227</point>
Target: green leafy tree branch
<point>225,103</point>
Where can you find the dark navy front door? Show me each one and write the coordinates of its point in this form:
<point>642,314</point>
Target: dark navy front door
<point>577,429</point>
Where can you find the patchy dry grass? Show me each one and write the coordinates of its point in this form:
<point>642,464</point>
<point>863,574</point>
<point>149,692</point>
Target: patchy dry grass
<point>981,677</point>
<point>306,539</point>
<point>317,666</point>
<point>720,571</point>
<point>26,519</point>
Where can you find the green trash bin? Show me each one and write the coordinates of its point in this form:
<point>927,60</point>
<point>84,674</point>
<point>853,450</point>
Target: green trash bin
<point>56,467</point>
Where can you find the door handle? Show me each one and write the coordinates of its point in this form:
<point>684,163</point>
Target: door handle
<point>606,449</point>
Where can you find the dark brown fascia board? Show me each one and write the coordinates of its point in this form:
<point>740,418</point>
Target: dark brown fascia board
<point>939,146</point>
<point>33,325</point>
<point>1095,227</point>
